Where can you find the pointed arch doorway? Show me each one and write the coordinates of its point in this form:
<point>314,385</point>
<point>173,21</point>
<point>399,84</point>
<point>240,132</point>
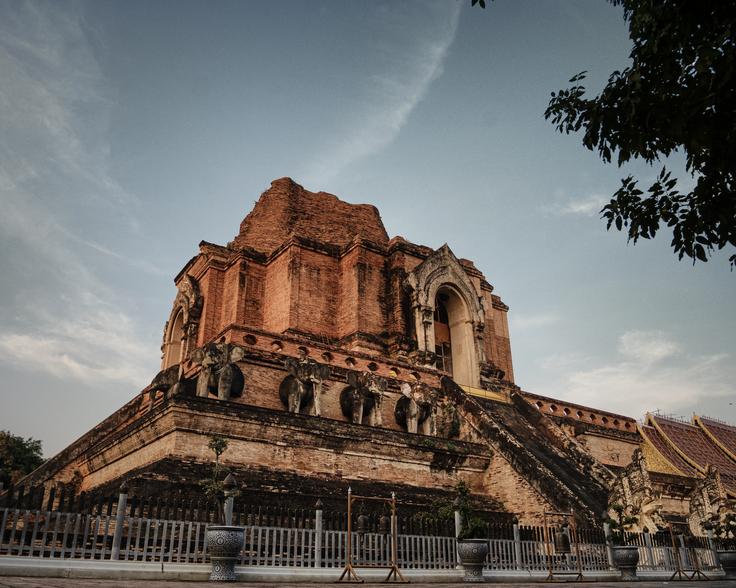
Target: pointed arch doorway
<point>453,336</point>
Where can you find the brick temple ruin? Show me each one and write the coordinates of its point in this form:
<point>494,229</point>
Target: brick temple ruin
<point>331,355</point>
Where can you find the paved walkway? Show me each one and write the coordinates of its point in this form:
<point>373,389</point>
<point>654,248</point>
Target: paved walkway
<point>13,582</point>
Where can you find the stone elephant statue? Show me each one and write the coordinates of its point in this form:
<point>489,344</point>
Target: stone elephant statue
<point>219,375</point>
<point>166,381</point>
<point>356,405</point>
<point>414,409</point>
<point>362,400</point>
<point>301,389</point>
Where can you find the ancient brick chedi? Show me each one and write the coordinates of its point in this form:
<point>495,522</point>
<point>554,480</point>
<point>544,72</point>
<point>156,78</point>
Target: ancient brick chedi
<point>331,355</point>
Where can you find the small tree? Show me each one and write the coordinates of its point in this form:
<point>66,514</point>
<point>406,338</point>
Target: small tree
<point>214,487</point>
<point>620,524</point>
<point>18,457</point>
<point>471,526</point>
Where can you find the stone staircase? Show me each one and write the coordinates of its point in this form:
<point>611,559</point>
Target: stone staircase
<point>554,464</point>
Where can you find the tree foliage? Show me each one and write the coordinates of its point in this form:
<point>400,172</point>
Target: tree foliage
<point>619,524</point>
<point>18,457</point>
<point>724,532</point>
<point>678,95</point>
<point>214,487</point>
<point>471,526</point>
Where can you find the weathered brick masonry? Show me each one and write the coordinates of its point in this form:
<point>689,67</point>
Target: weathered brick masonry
<point>330,354</point>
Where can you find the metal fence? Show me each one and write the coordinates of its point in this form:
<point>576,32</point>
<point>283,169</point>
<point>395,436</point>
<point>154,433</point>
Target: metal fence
<point>119,536</point>
<point>661,551</point>
<point>151,529</point>
<point>197,508</point>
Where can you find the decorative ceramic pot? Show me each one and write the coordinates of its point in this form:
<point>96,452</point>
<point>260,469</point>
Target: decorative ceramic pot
<point>728,563</point>
<point>625,559</point>
<point>224,544</point>
<point>472,553</point>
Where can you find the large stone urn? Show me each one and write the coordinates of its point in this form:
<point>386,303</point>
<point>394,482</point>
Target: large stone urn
<point>224,543</point>
<point>625,560</point>
<point>728,563</point>
<point>472,553</point>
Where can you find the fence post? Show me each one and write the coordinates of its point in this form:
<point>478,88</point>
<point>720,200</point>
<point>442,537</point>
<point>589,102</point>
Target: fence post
<point>650,551</point>
<point>230,485</point>
<point>684,555</point>
<point>318,534</point>
<point>712,547</point>
<point>458,528</point>
<point>609,551</point>
<point>517,546</point>
<point>669,557</point>
<point>119,521</point>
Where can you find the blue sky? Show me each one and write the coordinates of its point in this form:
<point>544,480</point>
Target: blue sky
<point>129,131</point>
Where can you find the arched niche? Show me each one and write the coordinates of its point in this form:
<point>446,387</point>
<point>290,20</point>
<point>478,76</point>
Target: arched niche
<point>296,396</point>
<point>180,331</point>
<point>357,406</point>
<point>463,362</point>
<point>441,274</point>
<point>174,340</point>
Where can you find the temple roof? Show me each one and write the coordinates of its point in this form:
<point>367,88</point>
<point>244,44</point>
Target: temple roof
<point>287,210</point>
<point>723,434</point>
<point>693,444</point>
<point>661,444</point>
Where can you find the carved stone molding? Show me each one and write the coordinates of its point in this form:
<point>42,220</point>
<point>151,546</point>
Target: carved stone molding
<point>443,270</point>
<point>188,302</point>
<point>708,501</point>
<point>490,374</point>
<point>423,358</point>
<point>633,490</point>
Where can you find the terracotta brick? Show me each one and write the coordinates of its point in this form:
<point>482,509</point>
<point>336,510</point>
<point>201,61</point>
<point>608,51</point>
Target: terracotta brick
<point>287,209</point>
<point>311,275</point>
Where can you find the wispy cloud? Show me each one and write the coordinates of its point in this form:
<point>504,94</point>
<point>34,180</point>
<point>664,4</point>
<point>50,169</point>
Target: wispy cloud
<point>652,370</point>
<point>534,321</point>
<point>585,206</point>
<point>96,348</point>
<point>563,361</point>
<point>412,60</point>
<point>646,347</point>
<point>57,314</point>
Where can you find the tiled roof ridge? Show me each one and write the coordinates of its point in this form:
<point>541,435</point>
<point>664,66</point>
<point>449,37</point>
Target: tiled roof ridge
<point>648,437</point>
<point>672,420</point>
<point>699,460</point>
<point>653,419</point>
<point>705,424</point>
<point>715,421</point>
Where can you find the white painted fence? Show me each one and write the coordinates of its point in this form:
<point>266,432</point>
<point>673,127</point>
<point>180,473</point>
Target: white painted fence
<point>653,558</point>
<point>51,534</point>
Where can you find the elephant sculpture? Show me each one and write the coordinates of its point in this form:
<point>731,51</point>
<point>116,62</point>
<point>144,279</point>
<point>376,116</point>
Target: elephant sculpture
<point>362,400</point>
<point>415,410</point>
<point>219,374</point>
<point>166,381</point>
<point>302,388</point>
